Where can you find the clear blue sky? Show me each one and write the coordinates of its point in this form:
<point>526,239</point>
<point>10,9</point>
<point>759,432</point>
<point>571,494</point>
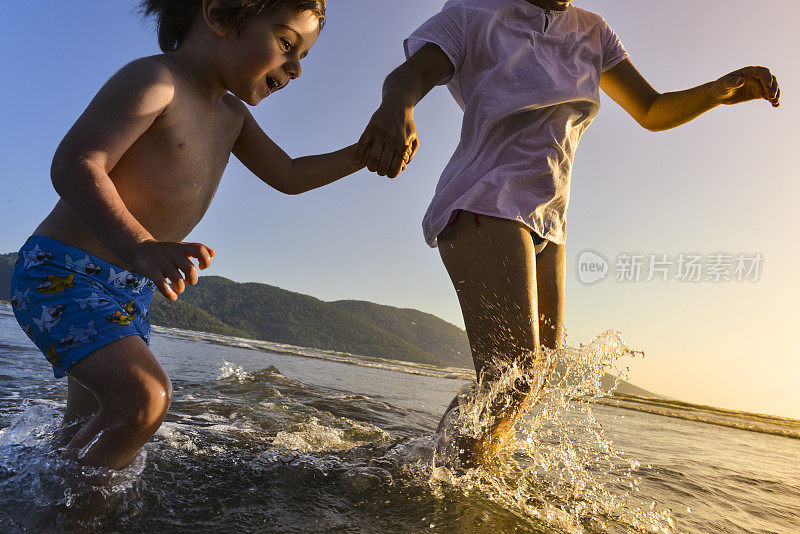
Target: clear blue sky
<point>726,183</point>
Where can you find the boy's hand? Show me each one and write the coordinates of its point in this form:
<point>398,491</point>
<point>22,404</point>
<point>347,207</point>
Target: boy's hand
<point>389,141</point>
<point>162,260</point>
<point>749,83</point>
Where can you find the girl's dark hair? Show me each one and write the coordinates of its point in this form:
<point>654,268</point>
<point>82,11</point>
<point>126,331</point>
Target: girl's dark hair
<point>175,17</point>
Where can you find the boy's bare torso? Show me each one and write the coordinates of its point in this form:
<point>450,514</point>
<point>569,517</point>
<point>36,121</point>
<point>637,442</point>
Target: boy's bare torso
<point>168,176</point>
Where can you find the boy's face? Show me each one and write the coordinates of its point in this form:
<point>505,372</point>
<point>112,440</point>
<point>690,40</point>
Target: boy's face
<point>265,55</point>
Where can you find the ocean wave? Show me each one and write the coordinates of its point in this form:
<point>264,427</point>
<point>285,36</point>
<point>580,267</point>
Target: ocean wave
<point>250,449</point>
<point>310,436</point>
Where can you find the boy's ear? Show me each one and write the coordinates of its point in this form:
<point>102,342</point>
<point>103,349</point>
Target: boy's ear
<point>212,15</point>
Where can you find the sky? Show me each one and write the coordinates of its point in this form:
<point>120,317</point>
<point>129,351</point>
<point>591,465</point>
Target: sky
<point>726,184</point>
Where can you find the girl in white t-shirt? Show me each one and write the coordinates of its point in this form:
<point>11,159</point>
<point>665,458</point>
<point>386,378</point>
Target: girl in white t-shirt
<point>527,74</point>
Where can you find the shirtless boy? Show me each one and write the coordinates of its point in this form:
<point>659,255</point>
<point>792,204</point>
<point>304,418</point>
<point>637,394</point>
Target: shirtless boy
<point>135,174</point>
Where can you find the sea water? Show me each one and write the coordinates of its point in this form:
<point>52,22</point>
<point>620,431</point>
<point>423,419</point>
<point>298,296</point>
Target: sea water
<point>263,437</point>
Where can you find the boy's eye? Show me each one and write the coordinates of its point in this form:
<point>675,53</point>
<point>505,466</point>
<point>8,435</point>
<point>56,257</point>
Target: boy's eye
<point>286,44</point>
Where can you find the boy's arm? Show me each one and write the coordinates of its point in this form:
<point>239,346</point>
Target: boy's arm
<point>123,109</point>
<point>277,169</point>
<point>390,139</point>
<point>656,111</point>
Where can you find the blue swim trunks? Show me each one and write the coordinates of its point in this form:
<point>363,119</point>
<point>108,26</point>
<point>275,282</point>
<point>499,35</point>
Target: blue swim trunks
<point>71,303</point>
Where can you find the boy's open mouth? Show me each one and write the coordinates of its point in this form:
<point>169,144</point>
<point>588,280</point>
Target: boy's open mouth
<point>274,85</point>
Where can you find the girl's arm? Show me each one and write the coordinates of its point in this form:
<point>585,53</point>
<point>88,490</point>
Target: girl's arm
<point>662,111</point>
<point>390,139</point>
<point>277,169</point>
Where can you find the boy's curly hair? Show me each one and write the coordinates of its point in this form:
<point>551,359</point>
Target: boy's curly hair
<point>174,18</point>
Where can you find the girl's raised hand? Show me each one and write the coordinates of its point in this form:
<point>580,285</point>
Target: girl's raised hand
<point>748,83</point>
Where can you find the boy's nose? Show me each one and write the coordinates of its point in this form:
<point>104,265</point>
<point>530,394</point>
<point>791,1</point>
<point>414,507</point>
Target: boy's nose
<point>293,69</point>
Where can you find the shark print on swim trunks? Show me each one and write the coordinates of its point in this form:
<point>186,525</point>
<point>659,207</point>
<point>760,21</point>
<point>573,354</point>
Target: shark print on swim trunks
<point>71,303</point>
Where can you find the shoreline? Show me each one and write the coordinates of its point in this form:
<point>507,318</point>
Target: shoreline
<point>765,424</point>
<point>762,423</point>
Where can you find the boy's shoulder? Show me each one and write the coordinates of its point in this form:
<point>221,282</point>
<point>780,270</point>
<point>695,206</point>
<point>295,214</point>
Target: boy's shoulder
<point>147,81</point>
<point>236,105</point>
<point>149,70</point>
<point>238,109</point>
<point>158,82</point>
<point>159,73</point>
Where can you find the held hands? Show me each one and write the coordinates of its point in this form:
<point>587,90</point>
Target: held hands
<point>749,83</point>
<point>162,260</point>
<point>389,141</point>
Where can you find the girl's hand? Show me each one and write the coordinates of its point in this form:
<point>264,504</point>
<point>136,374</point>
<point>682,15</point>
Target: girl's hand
<point>389,141</point>
<point>749,83</point>
<point>161,261</point>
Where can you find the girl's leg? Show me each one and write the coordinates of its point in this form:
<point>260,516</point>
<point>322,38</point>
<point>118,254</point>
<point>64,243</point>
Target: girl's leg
<point>133,393</point>
<point>494,271</point>
<point>551,268</point>
<point>81,406</point>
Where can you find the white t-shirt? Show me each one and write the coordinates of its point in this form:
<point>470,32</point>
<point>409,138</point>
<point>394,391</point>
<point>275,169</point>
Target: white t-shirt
<point>527,80</point>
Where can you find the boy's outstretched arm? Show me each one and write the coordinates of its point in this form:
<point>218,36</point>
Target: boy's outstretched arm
<point>124,108</point>
<point>656,111</point>
<point>277,169</point>
<point>390,139</point>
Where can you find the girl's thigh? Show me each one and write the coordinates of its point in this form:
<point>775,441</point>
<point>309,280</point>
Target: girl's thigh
<point>493,270</point>
<point>551,268</point>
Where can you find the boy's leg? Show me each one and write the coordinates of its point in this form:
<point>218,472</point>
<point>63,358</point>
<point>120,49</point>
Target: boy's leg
<point>494,271</point>
<point>133,392</point>
<point>81,406</point>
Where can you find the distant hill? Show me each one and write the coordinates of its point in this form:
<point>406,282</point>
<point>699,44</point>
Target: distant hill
<point>270,313</point>
<point>261,311</point>
<point>7,262</point>
<point>423,330</point>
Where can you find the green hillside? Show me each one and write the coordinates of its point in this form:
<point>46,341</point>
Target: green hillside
<point>7,262</point>
<point>270,313</point>
<point>423,330</point>
<point>181,314</point>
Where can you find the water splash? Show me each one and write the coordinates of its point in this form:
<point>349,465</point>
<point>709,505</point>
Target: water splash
<point>41,478</point>
<point>558,473</point>
<point>559,470</point>
<point>311,435</point>
<point>229,371</point>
